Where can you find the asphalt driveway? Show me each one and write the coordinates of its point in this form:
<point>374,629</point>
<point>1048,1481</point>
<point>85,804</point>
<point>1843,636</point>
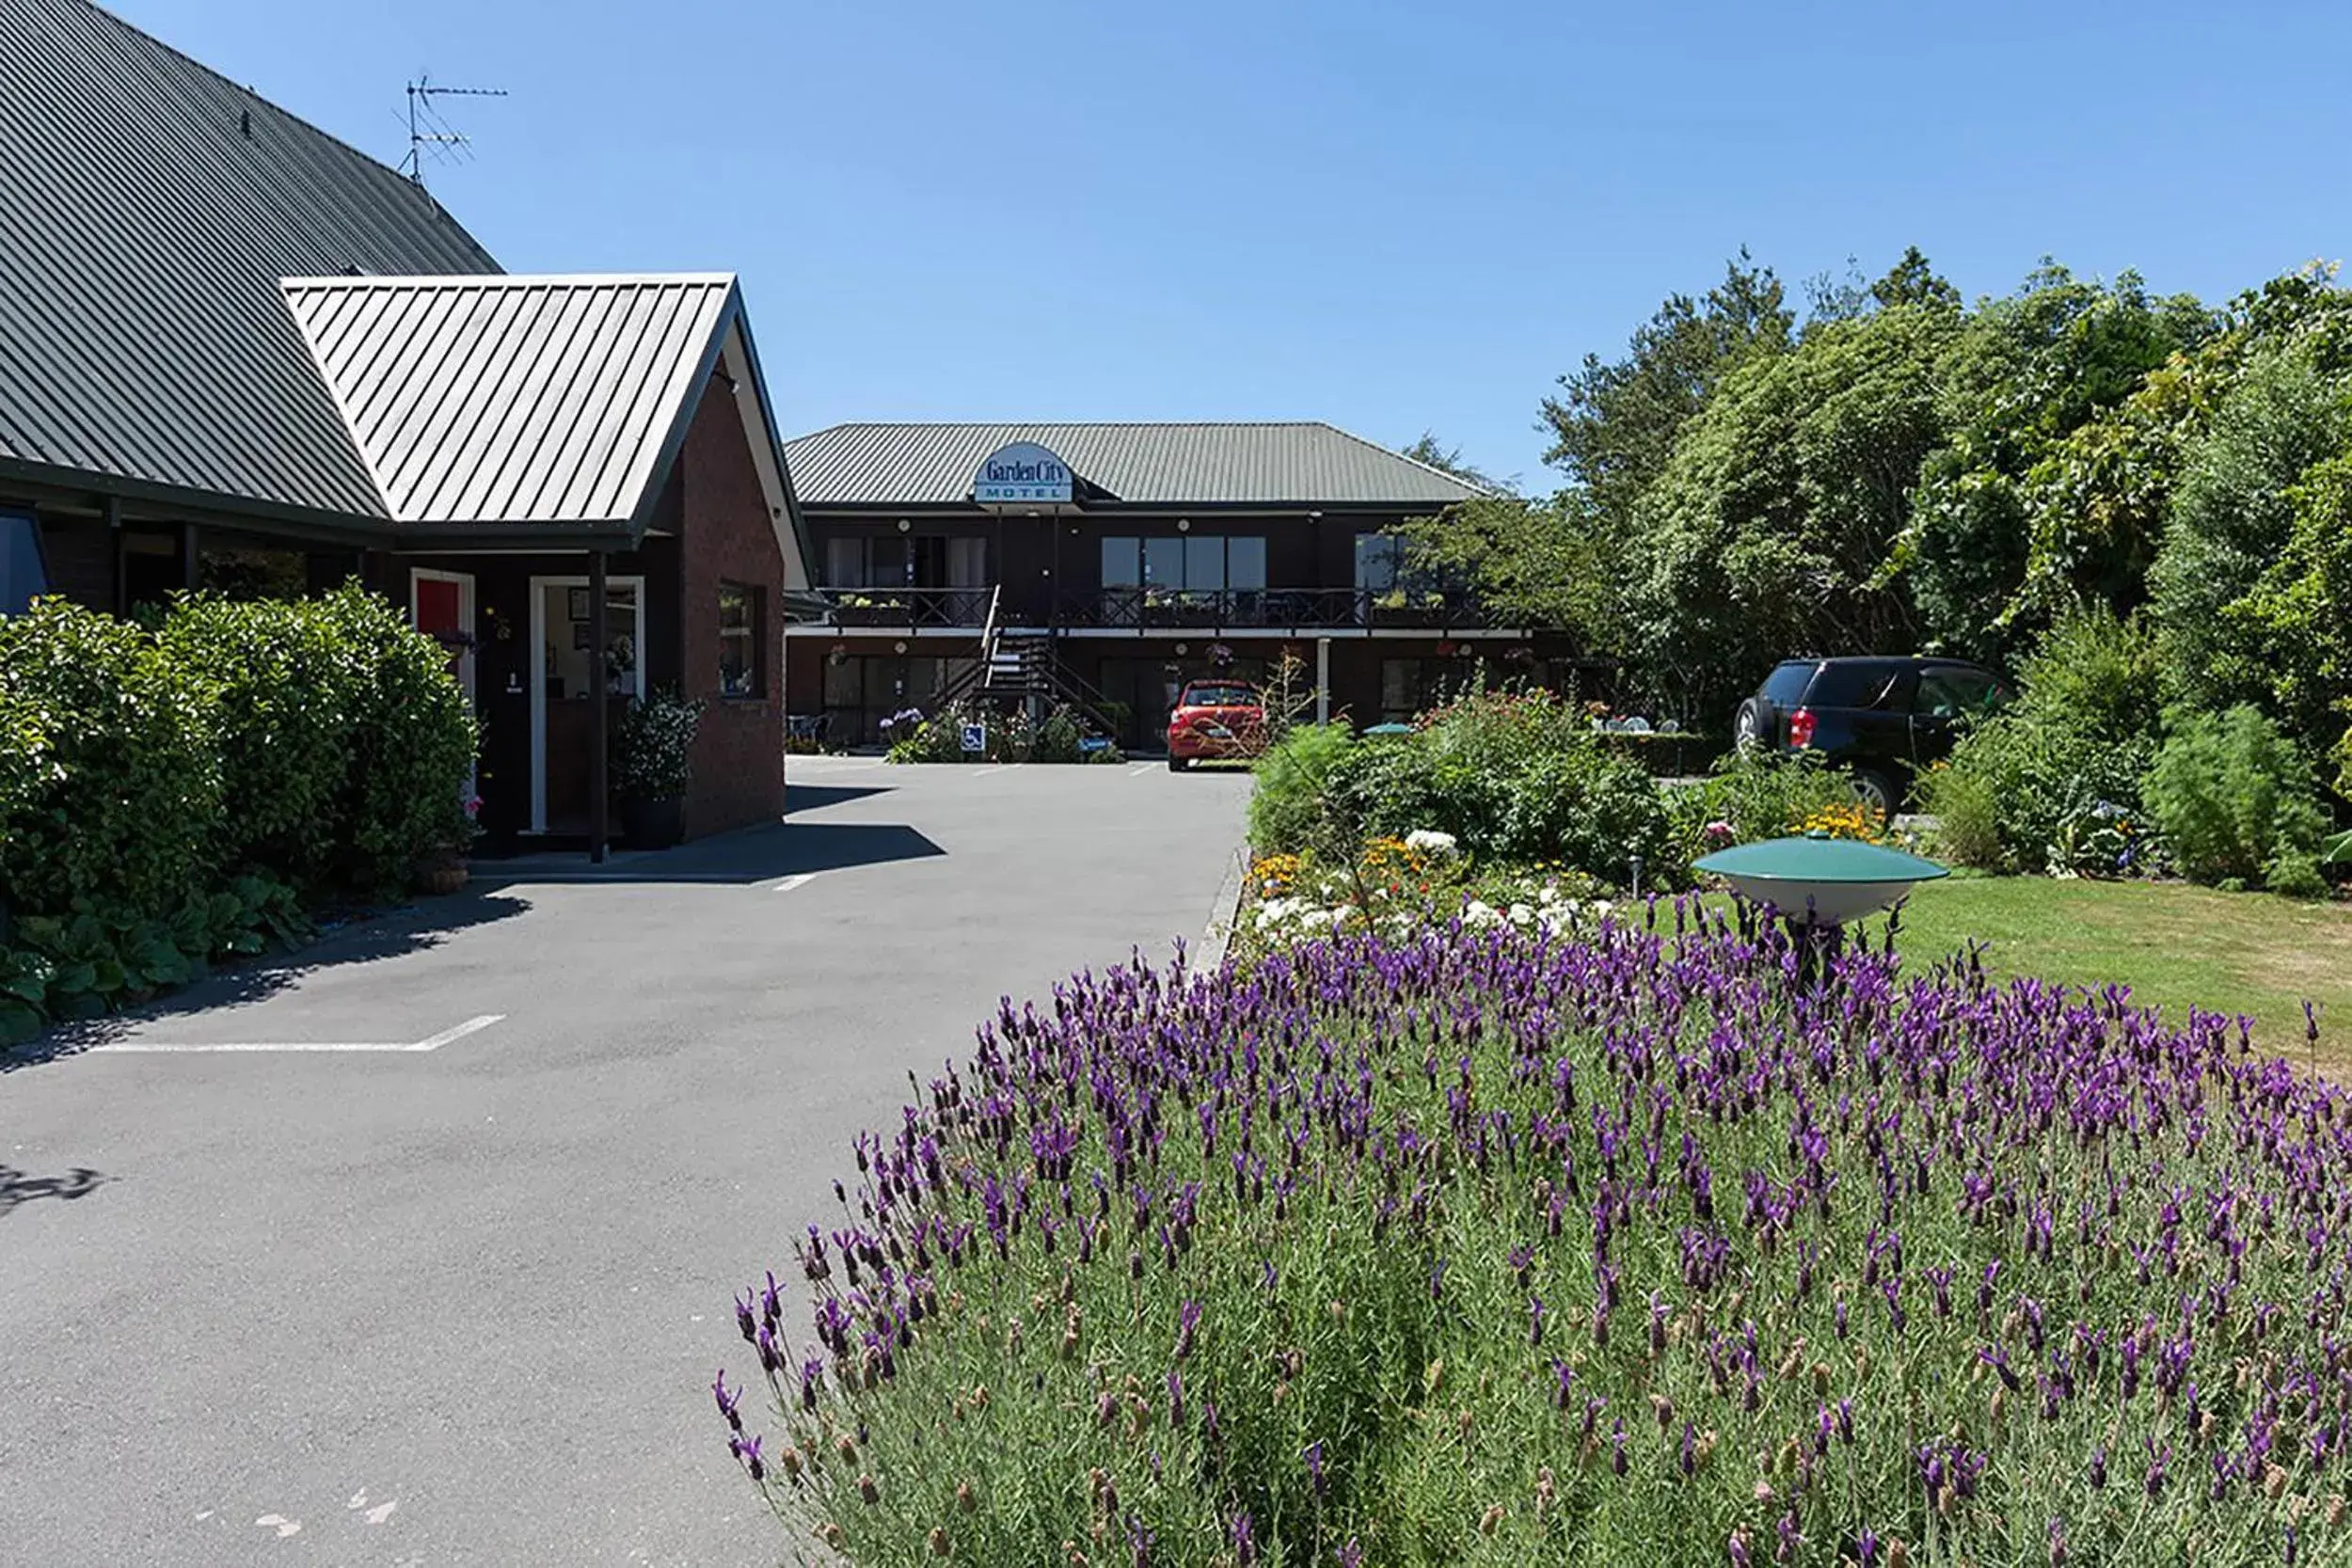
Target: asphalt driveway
<point>447,1284</point>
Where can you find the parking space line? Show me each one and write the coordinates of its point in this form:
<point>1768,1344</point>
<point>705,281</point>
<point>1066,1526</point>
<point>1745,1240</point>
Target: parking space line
<point>789,883</point>
<point>177,1048</point>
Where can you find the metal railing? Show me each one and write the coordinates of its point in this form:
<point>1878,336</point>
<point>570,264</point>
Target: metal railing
<point>1165,609</point>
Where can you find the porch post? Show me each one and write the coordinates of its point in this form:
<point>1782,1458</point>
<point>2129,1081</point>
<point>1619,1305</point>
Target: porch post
<point>1322,680</point>
<point>599,711</point>
<point>191,565</point>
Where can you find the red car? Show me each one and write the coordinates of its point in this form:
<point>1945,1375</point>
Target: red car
<point>1215,720</point>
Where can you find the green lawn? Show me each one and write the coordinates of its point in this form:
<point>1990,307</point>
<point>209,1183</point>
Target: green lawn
<point>2176,946</point>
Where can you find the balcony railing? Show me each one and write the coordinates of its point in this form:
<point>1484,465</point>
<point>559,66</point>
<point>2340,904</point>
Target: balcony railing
<point>1163,608</point>
<point>1244,609</point>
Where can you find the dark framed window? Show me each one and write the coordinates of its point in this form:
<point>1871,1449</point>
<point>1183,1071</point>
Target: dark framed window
<point>741,672</point>
<point>1186,562</point>
<point>23,573</point>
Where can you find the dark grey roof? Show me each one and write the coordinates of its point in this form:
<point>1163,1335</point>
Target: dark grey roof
<point>522,400</point>
<point>147,208</point>
<point>1306,463</point>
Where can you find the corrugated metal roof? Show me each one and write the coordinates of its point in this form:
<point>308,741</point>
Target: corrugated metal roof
<point>524,400</point>
<point>151,206</point>
<point>1305,463</point>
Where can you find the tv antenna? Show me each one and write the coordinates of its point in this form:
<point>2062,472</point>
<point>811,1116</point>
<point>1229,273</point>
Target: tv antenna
<point>429,133</point>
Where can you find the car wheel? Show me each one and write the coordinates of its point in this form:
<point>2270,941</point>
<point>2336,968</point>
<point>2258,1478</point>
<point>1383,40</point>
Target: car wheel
<point>1751,726</point>
<point>1177,764</point>
<point>1878,791</point>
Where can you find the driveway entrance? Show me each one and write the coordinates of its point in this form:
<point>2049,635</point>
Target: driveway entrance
<point>462,1304</point>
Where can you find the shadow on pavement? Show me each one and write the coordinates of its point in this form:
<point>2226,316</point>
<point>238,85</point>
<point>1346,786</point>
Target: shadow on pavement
<point>760,854</point>
<point>18,1187</point>
<point>800,796</point>
<point>395,933</point>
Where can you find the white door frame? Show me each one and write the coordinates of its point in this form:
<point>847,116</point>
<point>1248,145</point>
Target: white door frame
<point>539,675</point>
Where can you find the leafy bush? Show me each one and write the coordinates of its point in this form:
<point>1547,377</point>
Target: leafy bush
<point>164,790</point>
<point>1494,1248</point>
<point>2053,784</point>
<point>2237,800</point>
<point>1588,809</point>
<point>1755,794</point>
<point>282,690</point>
<point>653,748</point>
<point>114,780</point>
<point>412,743</point>
<point>1287,802</point>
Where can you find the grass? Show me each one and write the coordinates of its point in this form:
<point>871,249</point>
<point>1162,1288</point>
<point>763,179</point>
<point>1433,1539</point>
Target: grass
<point>2176,945</point>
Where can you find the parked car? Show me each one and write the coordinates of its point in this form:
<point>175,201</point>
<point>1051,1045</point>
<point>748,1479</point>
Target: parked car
<point>1885,719</point>
<point>1215,720</point>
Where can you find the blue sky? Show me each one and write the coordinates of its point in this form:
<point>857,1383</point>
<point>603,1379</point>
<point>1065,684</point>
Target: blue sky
<point>1392,216</point>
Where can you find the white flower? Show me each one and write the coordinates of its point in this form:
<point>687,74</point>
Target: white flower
<point>1430,841</point>
<point>1479,913</point>
<point>1522,914</point>
<point>1600,906</point>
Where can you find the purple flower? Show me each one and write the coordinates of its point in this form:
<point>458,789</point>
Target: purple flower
<point>727,1400</point>
<point>1313,1455</point>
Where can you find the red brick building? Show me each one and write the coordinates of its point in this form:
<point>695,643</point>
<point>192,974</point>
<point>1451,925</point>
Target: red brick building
<point>248,358</point>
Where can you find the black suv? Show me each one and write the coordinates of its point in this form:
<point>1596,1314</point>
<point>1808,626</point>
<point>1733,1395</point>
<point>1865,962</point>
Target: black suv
<point>1883,720</point>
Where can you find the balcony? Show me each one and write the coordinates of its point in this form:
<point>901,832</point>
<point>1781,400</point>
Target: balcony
<point>1267,608</point>
<point>1149,610</point>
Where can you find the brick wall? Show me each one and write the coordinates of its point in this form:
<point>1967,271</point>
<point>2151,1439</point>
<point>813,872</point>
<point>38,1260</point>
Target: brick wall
<point>729,537</point>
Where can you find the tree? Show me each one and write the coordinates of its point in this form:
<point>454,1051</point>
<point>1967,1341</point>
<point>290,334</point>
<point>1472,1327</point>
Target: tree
<point>1536,564</point>
<point>1766,534</point>
<point>1613,424</point>
<point>1427,449</point>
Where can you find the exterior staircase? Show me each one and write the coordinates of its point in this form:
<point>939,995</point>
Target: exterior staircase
<point>1021,670</point>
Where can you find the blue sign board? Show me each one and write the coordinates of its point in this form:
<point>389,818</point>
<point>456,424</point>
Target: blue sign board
<point>976,737</point>
<point>1022,474</point>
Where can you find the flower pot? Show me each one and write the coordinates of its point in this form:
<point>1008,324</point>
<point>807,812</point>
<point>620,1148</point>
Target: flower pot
<point>654,824</point>
<point>444,875</point>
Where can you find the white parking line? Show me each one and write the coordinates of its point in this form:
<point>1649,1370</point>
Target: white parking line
<point>434,1042</point>
<point>789,883</point>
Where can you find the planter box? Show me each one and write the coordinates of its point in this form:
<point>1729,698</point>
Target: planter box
<point>873,615</point>
<point>654,824</point>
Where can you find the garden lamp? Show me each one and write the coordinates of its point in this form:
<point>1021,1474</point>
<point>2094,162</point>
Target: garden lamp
<point>1820,880</point>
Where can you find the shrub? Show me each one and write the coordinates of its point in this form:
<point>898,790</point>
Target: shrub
<point>1589,810</point>
<point>1488,1248</point>
<point>284,692</point>
<point>1287,807</point>
<point>412,743</point>
<point>1757,794</point>
<point>653,748</point>
<point>2236,799</point>
<point>2053,784</point>
<point>114,782</point>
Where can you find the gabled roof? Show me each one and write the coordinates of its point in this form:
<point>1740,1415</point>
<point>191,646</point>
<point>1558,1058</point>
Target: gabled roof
<point>1301,464</point>
<point>151,207</point>
<point>515,399</point>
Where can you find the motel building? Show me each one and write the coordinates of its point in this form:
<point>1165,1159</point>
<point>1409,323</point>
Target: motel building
<point>1112,562</point>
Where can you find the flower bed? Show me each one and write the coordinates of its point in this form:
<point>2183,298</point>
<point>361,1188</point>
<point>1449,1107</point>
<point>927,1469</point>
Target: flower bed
<point>1620,1248</point>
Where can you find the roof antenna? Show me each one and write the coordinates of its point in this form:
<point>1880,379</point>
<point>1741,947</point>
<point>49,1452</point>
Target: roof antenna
<point>427,129</point>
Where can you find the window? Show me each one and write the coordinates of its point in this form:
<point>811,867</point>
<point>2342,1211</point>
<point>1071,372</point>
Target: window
<point>1195,563</point>
<point>1950,691</point>
<point>1864,684</point>
<point>1785,686</point>
<point>1379,562</point>
<point>739,641</point>
<point>855,560</point>
<point>22,574</point>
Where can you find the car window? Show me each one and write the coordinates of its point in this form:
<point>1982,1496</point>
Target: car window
<point>1785,686</point>
<point>1218,696</point>
<point>1878,686</point>
<point>1951,691</point>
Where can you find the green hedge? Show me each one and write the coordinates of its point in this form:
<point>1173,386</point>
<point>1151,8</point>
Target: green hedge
<point>169,796</point>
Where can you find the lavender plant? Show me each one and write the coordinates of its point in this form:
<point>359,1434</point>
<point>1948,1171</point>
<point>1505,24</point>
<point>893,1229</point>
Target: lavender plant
<point>1610,1246</point>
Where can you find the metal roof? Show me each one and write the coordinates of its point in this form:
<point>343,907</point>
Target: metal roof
<point>151,207</point>
<point>1292,463</point>
<point>510,399</point>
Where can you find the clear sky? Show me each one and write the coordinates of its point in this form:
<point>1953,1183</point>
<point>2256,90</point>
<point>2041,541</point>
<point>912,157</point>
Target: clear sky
<point>1392,216</point>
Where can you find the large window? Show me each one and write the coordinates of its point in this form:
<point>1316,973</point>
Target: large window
<point>1185,562</point>
<point>1379,562</point>
<point>739,648</point>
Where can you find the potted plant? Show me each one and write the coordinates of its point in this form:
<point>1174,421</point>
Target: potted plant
<point>652,759</point>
